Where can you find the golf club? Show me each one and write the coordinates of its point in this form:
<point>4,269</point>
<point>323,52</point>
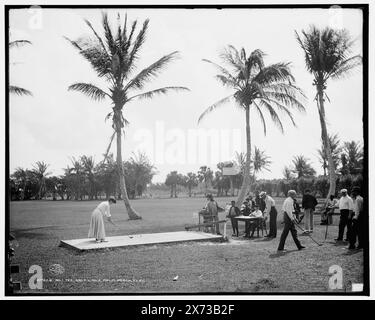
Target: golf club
<point>319,244</point>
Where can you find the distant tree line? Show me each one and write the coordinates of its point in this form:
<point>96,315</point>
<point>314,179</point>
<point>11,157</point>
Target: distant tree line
<point>82,179</point>
<point>300,175</point>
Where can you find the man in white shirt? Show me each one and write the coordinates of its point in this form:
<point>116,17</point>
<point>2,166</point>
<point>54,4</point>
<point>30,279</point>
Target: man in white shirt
<point>271,212</point>
<point>358,226</point>
<point>289,221</point>
<point>345,204</point>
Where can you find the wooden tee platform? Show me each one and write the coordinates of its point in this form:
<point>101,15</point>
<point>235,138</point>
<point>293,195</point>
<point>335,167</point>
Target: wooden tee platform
<point>140,239</point>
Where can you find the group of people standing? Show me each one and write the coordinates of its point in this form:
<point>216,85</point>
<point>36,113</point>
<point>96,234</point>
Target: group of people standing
<point>263,206</point>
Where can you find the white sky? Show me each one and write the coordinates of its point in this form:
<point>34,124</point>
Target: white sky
<point>55,124</point>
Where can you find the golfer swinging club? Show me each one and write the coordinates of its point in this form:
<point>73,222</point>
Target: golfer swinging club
<point>97,230</point>
<point>289,221</point>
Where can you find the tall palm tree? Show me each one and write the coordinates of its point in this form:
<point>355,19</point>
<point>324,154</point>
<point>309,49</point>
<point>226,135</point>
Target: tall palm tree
<point>327,56</point>
<point>302,167</point>
<point>12,88</point>
<point>114,57</point>
<point>41,174</point>
<point>258,88</point>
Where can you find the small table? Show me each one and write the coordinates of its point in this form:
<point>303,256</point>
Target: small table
<point>250,219</point>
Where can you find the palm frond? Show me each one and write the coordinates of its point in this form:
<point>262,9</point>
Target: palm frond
<point>215,106</point>
<point>274,116</point>
<point>285,99</point>
<point>90,90</point>
<point>346,67</point>
<point>19,91</point>
<point>18,43</point>
<point>97,36</point>
<point>152,93</point>
<point>275,73</point>
<point>151,71</point>
<point>224,71</point>
<point>138,42</point>
<point>260,113</point>
<point>284,109</point>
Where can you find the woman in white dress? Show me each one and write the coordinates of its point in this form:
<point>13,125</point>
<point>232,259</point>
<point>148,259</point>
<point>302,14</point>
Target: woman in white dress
<point>97,230</point>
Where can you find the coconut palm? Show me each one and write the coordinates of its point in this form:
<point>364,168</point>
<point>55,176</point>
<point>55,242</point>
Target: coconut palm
<point>114,57</point>
<point>260,161</point>
<point>88,166</point>
<point>41,174</point>
<point>334,143</point>
<point>12,88</point>
<point>22,176</point>
<point>258,88</point>
<point>302,167</point>
<point>191,181</point>
<point>327,56</point>
<point>353,152</point>
<point>288,173</point>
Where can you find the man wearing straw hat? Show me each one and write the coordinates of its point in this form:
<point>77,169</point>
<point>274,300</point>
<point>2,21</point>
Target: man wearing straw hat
<point>345,204</point>
<point>289,221</point>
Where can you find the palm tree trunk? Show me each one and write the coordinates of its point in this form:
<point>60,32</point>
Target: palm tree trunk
<point>133,215</point>
<point>246,179</point>
<point>327,147</point>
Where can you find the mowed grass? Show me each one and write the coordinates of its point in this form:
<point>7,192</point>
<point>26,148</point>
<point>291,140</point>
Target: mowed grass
<point>237,266</point>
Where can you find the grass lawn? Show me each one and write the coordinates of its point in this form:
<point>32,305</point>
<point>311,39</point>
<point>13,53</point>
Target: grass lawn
<point>240,265</point>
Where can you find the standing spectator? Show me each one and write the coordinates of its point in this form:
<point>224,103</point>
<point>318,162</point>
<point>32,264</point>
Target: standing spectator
<point>245,211</point>
<point>328,210</point>
<point>345,204</point>
<point>358,221</point>
<point>234,212</point>
<point>289,221</point>
<point>213,209</point>
<point>271,212</point>
<point>309,203</point>
<point>297,211</point>
<point>257,197</point>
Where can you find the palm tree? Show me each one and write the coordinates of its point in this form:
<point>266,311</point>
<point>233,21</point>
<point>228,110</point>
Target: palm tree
<point>75,176</point>
<point>302,167</point>
<point>260,161</point>
<point>206,175</point>
<point>334,143</point>
<point>353,152</point>
<point>22,177</point>
<point>114,57</point>
<point>327,56</point>
<point>259,88</point>
<point>172,180</point>
<point>191,181</point>
<point>288,173</point>
<point>12,88</point>
<point>88,165</point>
<point>40,172</point>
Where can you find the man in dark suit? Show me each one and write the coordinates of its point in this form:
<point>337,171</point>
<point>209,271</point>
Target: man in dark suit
<point>234,212</point>
<point>309,203</point>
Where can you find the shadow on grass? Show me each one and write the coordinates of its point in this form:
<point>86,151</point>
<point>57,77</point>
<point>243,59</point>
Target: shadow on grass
<point>32,235</point>
<point>281,254</point>
<point>352,252</point>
